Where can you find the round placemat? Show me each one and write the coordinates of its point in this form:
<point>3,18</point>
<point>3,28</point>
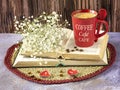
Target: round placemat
<point>58,74</point>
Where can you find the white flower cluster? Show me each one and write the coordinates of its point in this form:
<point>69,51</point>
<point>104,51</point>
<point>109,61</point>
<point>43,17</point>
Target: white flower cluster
<point>42,34</point>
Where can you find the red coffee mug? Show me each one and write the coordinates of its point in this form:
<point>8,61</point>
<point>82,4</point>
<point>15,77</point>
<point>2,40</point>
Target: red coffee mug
<point>85,29</point>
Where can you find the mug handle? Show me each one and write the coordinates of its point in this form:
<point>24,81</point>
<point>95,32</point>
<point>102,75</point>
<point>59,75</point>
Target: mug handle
<point>97,31</point>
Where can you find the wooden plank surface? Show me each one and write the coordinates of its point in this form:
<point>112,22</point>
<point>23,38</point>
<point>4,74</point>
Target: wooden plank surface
<point>11,8</point>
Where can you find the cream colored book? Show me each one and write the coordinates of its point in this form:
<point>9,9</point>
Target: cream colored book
<point>23,61</point>
<point>94,52</point>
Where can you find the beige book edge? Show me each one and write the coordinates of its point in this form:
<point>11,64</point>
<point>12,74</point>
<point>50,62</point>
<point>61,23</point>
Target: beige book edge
<point>22,61</point>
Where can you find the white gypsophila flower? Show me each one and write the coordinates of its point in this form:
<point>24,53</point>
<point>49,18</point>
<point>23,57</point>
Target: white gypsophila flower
<point>54,12</point>
<point>32,16</point>
<point>15,17</point>
<point>17,22</point>
<point>23,17</point>
<point>42,34</point>
<point>44,12</point>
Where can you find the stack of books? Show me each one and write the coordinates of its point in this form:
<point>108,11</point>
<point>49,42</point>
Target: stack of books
<point>72,56</point>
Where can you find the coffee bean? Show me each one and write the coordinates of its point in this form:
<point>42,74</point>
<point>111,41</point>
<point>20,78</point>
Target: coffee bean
<point>61,75</point>
<point>75,47</point>
<point>61,71</point>
<point>72,50</point>
<point>29,73</point>
<point>32,76</point>
<point>68,50</point>
<point>38,71</point>
<point>81,50</point>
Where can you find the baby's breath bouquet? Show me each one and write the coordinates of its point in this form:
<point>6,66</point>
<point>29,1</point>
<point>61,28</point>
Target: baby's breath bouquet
<point>44,33</point>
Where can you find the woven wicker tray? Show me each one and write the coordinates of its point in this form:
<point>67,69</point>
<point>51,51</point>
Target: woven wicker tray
<point>58,74</point>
